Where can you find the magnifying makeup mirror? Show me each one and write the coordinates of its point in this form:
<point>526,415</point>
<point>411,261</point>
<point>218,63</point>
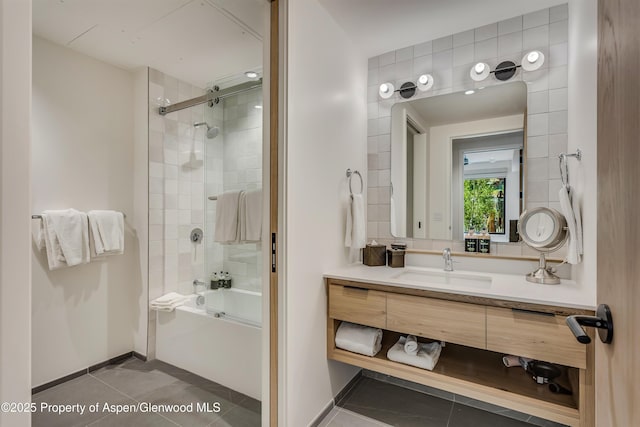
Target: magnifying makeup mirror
<point>545,230</point>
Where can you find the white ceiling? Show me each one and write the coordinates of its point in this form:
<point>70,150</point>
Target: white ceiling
<point>494,101</point>
<point>199,41</point>
<point>379,26</point>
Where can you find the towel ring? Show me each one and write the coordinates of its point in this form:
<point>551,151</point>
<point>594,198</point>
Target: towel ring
<point>350,176</point>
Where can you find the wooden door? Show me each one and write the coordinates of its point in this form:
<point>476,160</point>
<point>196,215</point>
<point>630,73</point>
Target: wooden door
<point>274,101</point>
<point>618,364</point>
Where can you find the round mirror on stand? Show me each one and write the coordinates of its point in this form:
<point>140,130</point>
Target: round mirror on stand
<point>545,230</point>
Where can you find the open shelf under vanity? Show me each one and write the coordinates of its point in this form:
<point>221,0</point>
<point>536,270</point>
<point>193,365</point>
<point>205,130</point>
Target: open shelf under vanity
<point>475,369</point>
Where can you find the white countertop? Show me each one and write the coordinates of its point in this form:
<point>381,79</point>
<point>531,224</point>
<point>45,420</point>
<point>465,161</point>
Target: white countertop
<point>507,287</point>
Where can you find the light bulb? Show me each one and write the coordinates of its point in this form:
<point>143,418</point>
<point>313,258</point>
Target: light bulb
<point>251,74</point>
<point>470,92</point>
<point>479,68</point>
<point>533,60</point>
<point>386,90</point>
<point>425,82</point>
<point>479,72</point>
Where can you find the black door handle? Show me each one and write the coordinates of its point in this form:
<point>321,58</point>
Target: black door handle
<point>603,321</point>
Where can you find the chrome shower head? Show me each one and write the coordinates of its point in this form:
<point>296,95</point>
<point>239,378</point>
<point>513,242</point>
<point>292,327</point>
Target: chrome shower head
<point>212,132</point>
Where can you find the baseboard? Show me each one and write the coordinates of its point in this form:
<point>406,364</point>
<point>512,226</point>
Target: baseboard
<point>113,361</point>
<point>337,400</point>
<point>139,356</point>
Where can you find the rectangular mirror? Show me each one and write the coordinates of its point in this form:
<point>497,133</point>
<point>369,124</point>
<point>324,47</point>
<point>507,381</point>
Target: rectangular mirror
<point>457,163</point>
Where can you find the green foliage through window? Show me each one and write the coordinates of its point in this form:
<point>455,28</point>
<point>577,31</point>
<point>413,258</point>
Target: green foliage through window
<point>484,204</point>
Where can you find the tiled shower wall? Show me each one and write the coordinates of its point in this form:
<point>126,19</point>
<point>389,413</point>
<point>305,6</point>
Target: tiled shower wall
<point>242,166</point>
<point>176,191</point>
<point>449,60</point>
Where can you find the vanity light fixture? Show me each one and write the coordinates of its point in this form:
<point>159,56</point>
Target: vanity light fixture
<point>480,71</point>
<point>532,60</point>
<point>386,90</point>
<point>425,82</point>
<point>505,70</point>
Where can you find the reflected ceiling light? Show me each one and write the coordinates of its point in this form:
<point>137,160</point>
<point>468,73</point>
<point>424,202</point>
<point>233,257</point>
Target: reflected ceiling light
<point>386,90</point>
<point>251,74</point>
<point>469,92</point>
<point>258,107</point>
<point>532,60</point>
<point>480,71</point>
<point>425,82</point>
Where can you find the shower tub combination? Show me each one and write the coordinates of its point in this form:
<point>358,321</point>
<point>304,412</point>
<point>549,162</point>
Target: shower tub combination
<point>219,340</point>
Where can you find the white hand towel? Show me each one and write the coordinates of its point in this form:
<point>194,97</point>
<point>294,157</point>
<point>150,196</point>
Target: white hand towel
<point>573,251</point>
<point>168,302</point>
<point>576,212</point>
<point>66,234</point>
<point>394,226</point>
<point>251,216</point>
<point>169,298</point>
<point>427,357</point>
<point>359,339</point>
<point>227,211</point>
<point>107,232</point>
<point>411,345</point>
<point>355,237</point>
<point>37,231</point>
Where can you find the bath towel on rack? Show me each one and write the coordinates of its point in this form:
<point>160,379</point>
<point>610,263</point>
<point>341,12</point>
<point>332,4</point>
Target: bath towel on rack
<point>66,237</point>
<point>251,216</point>
<point>107,232</point>
<point>227,213</point>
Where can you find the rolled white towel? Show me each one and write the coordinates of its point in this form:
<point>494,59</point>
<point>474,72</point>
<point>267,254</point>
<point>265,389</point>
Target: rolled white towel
<point>411,345</point>
<point>359,339</point>
<point>427,357</point>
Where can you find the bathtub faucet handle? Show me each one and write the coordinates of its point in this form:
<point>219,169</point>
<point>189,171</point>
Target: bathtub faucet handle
<point>197,283</point>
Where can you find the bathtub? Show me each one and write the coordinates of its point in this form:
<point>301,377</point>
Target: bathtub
<point>219,340</point>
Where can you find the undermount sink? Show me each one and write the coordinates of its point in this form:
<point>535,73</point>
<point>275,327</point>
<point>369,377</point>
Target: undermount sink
<point>445,278</point>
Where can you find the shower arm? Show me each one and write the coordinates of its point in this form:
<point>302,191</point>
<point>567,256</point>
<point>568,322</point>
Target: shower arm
<point>211,96</point>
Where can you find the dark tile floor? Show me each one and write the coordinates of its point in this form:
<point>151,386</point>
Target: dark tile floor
<point>133,382</point>
<point>376,403</point>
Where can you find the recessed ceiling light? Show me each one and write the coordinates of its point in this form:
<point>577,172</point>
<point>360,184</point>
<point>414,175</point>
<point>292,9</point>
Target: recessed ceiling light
<point>469,92</point>
<point>251,74</point>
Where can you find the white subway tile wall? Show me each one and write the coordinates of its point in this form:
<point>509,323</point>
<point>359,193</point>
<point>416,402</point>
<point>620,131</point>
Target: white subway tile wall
<point>449,60</point>
<point>241,169</point>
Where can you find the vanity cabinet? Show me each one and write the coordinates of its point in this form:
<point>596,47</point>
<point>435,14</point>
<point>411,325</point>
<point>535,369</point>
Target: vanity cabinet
<point>441,320</point>
<point>478,331</point>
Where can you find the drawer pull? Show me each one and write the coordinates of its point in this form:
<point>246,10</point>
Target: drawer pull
<point>539,313</point>
<point>355,288</point>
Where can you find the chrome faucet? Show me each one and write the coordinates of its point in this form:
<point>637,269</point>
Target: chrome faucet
<point>448,261</point>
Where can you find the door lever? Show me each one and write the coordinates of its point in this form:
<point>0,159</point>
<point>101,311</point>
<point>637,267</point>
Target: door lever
<point>603,321</point>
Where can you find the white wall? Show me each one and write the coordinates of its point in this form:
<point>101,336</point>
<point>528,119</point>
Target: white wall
<point>326,134</point>
<point>583,112</point>
<point>82,157</point>
<point>15,274</point>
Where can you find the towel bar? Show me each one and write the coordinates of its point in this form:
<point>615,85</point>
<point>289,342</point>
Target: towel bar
<point>40,216</point>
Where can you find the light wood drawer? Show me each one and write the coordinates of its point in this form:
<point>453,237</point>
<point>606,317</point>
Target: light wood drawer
<point>456,322</point>
<point>357,305</point>
<point>536,335</point>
